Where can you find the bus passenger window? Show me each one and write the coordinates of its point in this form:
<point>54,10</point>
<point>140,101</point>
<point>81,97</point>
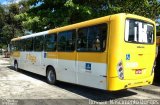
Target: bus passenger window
<point>22,45</point>
<point>38,43</point>
<point>92,38</point>
<point>14,46</point>
<point>66,41</point>
<point>50,42</point>
<point>29,45</point>
<point>82,39</point>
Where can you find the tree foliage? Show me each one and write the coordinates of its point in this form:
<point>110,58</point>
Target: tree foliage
<point>46,14</point>
<point>40,15</point>
<point>9,26</point>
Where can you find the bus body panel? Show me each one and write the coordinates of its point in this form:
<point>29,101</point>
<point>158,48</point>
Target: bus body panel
<point>23,64</point>
<point>141,60</point>
<point>92,69</point>
<point>115,44</point>
<point>117,84</point>
<point>75,71</point>
<point>96,69</point>
<point>35,59</point>
<point>67,66</point>
<point>141,56</point>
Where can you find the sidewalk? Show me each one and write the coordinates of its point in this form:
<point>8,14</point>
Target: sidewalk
<point>152,89</point>
<point>4,61</point>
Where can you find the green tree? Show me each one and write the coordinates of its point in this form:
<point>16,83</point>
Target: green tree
<point>40,15</point>
<point>1,22</point>
<point>10,27</point>
<point>14,26</point>
<point>47,14</point>
<point>147,8</point>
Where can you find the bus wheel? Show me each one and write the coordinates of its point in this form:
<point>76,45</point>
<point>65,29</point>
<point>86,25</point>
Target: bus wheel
<point>51,76</point>
<point>15,66</point>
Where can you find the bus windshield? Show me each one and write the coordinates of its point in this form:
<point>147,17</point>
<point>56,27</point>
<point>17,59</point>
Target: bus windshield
<point>139,32</point>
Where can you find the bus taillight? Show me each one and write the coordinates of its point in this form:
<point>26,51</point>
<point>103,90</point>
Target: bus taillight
<point>120,70</point>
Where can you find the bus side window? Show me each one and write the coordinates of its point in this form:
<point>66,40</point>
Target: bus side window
<point>22,45</point>
<point>92,38</point>
<point>38,43</point>
<point>66,41</point>
<point>29,44</point>
<point>16,46</point>
<point>50,42</point>
<point>82,39</point>
<point>13,46</point>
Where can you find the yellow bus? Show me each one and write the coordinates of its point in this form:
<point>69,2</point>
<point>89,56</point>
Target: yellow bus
<point>111,53</point>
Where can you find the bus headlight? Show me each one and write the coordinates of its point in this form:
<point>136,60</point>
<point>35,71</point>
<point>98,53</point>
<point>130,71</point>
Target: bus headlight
<point>120,70</point>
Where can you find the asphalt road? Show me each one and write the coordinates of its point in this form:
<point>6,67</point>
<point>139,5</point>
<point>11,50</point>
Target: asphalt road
<point>23,88</point>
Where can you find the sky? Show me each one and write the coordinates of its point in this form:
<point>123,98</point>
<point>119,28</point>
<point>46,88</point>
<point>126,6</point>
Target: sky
<point>6,1</point>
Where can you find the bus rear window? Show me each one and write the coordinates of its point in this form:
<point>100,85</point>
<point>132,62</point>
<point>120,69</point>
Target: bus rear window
<point>139,32</point>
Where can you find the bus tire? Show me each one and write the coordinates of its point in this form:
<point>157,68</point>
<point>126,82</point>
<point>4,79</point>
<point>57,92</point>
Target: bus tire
<point>15,65</point>
<point>51,75</point>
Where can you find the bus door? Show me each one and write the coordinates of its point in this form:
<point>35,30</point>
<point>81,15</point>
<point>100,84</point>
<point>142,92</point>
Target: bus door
<point>66,66</point>
<point>28,54</point>
<point>19,54</point>
<point>36,62</point>
<point>92,56</point>
<point>37,54</point>
<point>67,56</point>
<point>23,60</point>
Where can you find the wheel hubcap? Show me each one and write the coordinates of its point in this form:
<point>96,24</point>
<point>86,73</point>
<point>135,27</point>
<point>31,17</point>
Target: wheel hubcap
<point>16,66</point>
<point>51,76</point>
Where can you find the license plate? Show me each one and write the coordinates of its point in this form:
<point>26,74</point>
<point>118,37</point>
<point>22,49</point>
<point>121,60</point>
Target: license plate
<point>138,72</point>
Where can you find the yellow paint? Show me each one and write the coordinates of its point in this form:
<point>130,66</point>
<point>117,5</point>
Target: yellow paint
<point>52,55</point>
<point>80,56</point>
<point>67,55</point>
<point>31,58</point>
<point>118,49</point>
<point>117,84</point>
<point>93,57</point>
<point>15,54</point>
